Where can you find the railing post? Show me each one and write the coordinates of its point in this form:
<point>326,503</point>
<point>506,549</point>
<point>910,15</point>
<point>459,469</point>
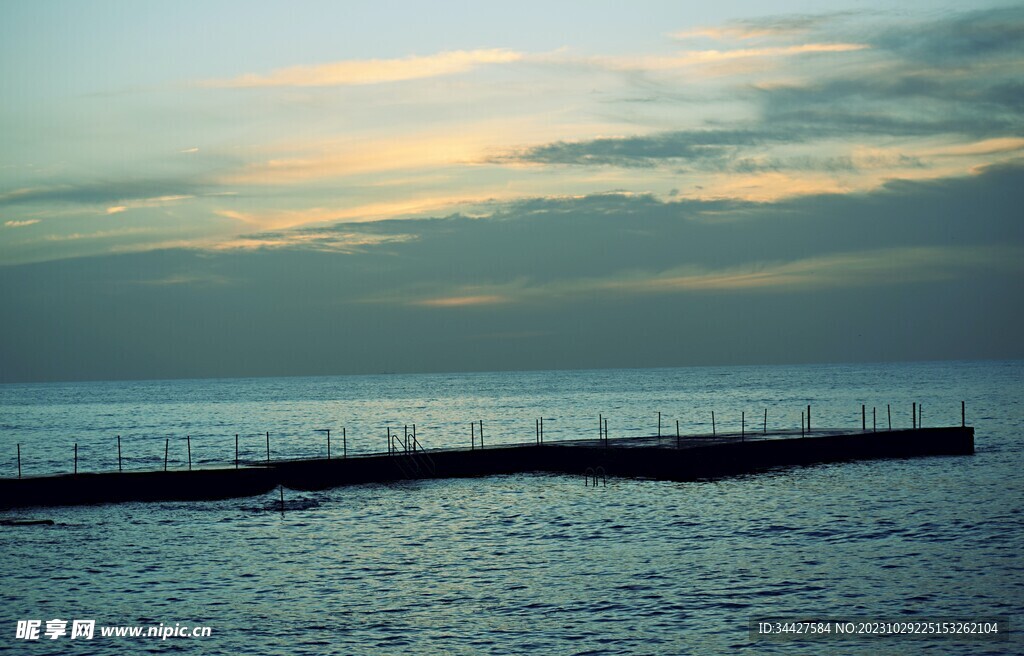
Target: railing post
<point>659,424</point>
<point>119,453</point>
<point>963,415</point>
<point>236,450</point>
<point>344,443</point>
<point>76,457</point>
<point>19,461</point>
<point>472,435</point>
<point>188,442</point>
<point>268,447</point>
<point>714,431</point>
<point>913,415</point>
<point>167,447</point>
<point>743,425</point>
<point>863,417</point>
<point>888,411</point>
<point>764,429</point>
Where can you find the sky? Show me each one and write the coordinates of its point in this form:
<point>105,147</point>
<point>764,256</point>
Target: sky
<point>219,189</point>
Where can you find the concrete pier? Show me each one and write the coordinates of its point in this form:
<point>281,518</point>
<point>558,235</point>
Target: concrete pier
<point>670,458</point>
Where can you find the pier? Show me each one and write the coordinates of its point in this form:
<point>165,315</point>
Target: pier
<point>662,457</point>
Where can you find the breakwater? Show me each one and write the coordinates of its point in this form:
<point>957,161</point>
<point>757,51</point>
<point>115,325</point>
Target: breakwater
<point>657,457</point>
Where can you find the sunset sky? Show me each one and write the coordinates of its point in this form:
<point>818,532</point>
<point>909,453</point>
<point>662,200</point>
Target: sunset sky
<point>238,188</point>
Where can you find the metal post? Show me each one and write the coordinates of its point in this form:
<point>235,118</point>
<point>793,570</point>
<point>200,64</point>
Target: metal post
<point>268,447</point>
<point>808,418</point>
<point>389,440</point>
<point>659,424</point>
<point>600,426</point>
<point>677,434</point>
<point>167,447</point>
<point>606,432</point>
<point>913,415</point>
<point>472,435</point>
<point>874,419</point>
<point>541,430</point>
<point>344,443</point>
<point>888,411</point>
<point>863,417</point>
<point>119,453</point>
<point>764,430</point>
<point>963,415</point>
<point>920,415</point>
<point>414,438</point>
<point>801,423</point>
<point>236,450</point>
<point>19,461</point>
<point>328,443</point>
<point>482,432</point>
<point>714,432</point>
<point>743,425</point>
<point>188,442</point>
<point>76,457</point>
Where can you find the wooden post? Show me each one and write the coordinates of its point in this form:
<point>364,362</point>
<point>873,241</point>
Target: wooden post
<point>236,450</point>
<point>863,417</point>
<point>119,453</point>
<point>167,446</point>
<point>188,442</point>
<point>963,415</point>
<point>19,461</point>
<point>913,415</point>
<point>76,457</point>
<point>268,447</point>
<point>714,432</point>
<point>765,429</point>
<point>888,411</point>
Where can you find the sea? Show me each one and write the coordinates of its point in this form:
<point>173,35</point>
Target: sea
<point>530,563</point>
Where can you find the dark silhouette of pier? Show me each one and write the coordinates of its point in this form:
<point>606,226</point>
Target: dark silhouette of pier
<point>656,457</point>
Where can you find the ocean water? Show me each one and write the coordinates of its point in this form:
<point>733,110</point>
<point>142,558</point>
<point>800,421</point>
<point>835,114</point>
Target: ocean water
<point>528,563</point>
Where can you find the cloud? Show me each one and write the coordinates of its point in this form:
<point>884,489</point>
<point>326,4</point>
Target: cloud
<point>372,71</point>
<point>759,28</point>
<point>463,301</point>
<point>105,192</point>
<point>836,271</point>
<point>21,224</point>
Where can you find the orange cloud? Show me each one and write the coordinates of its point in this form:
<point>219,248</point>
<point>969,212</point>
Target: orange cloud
<point>372,71</point>
<point>462,301</point>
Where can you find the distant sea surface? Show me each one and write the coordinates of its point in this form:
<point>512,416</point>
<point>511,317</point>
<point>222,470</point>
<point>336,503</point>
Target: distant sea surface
<point>527,563</point>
